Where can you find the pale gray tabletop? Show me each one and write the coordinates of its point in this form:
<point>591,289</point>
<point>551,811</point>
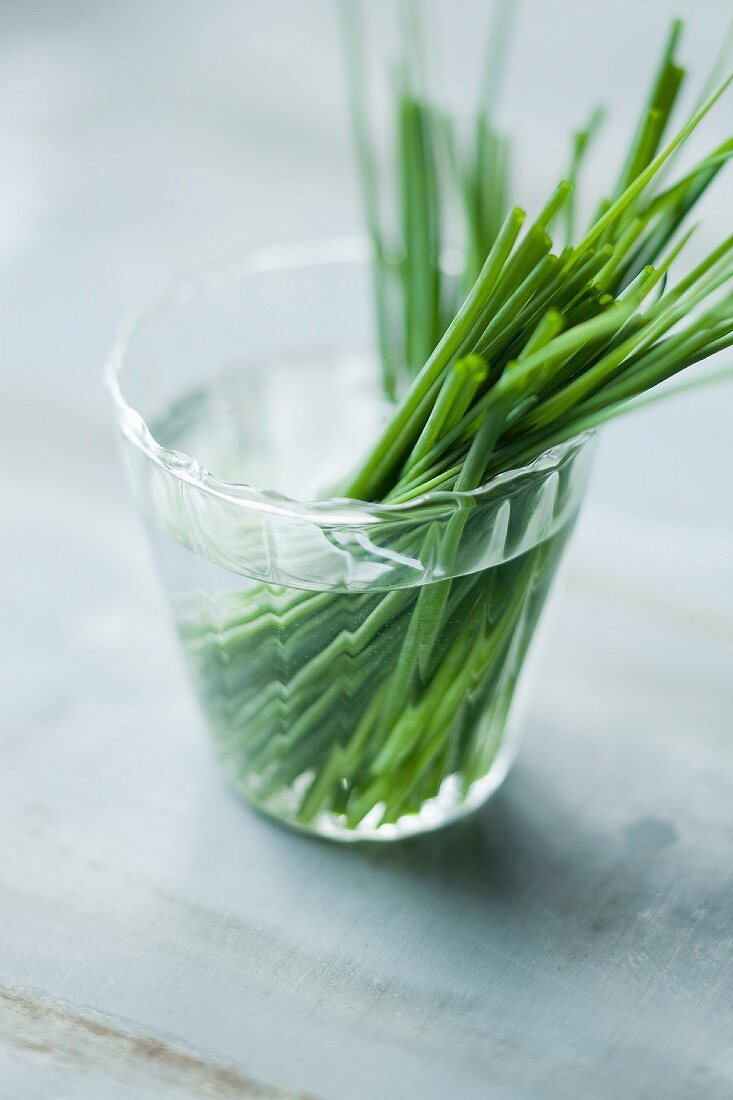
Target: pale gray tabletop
<point>159,939</point>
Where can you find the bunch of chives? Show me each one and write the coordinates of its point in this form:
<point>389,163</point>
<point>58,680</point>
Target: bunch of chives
<point>361,704</point>
<point>565,338</point>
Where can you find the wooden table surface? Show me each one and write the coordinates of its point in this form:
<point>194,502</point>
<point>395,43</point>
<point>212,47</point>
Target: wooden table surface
<point>159,939</point>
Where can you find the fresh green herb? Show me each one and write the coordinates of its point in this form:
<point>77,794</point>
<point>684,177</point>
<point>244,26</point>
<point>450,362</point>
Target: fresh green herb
<point>363,705</point>
<point>564,336</point>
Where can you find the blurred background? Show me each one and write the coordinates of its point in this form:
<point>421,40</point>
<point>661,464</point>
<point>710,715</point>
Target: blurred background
<point>140,138</point>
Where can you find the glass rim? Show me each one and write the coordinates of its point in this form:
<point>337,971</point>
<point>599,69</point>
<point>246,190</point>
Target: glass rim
<point>325,512</point>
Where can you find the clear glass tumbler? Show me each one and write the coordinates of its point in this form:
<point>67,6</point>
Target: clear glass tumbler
<point>355,663</point>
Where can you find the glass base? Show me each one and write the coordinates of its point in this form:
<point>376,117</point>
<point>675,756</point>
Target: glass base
<point>450,805</point>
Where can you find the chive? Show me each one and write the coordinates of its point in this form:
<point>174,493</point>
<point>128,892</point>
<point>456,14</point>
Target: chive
<point>582,141</point>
